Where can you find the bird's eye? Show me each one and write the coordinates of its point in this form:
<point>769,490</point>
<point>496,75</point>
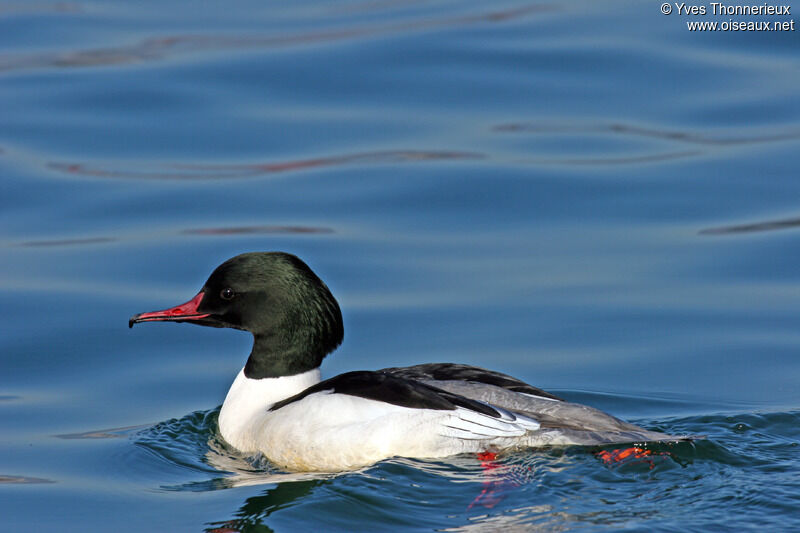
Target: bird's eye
<point>227,294</point>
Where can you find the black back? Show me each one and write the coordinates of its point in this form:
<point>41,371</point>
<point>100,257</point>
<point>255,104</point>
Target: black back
<point>396,390</point>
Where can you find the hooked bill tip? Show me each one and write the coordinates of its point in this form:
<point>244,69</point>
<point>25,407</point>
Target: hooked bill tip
<point>135,319</point>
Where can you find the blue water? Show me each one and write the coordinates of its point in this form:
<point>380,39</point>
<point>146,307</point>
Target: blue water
<point>582,194</point>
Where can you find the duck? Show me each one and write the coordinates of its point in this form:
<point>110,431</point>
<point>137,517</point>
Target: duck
<point>279,405</point>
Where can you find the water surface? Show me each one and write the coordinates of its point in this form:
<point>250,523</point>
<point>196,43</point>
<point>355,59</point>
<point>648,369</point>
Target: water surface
<point>586,196</point>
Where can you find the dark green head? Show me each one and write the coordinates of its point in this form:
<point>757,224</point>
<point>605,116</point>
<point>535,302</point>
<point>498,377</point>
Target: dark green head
<point>292,315</point>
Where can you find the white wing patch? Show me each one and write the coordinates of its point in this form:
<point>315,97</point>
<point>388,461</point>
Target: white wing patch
<point>471,425</point>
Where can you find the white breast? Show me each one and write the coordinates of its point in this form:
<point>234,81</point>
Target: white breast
<point>248,402</point>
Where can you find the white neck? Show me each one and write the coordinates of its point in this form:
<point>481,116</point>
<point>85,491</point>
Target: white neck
<point>250,399</point>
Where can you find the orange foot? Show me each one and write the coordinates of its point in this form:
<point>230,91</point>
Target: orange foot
<point>634,452</point>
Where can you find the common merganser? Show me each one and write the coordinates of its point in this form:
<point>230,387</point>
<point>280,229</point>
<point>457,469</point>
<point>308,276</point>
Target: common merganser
<point>279,406</point>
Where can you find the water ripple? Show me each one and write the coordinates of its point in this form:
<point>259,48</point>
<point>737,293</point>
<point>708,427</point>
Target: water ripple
<point>160,48</point>
<point>753,227</point>
<point>68,242</point>
<point>218,231</point>
<point>110,433</point>
<point>22,480</point>
<point>250,230</point>
<point>616,128</point>
<point>36,8</point>
<point>708,141</point>
<point>210,171</point>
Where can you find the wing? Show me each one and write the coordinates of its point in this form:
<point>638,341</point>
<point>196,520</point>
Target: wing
<point>455,372</point>
<point>505,392</point>
<point>388,388</point>
<point>583,424</point>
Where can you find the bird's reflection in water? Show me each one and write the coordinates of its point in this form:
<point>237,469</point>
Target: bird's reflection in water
<point>489,477</point>
<point>286,488</point>
<point>251,515</point>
